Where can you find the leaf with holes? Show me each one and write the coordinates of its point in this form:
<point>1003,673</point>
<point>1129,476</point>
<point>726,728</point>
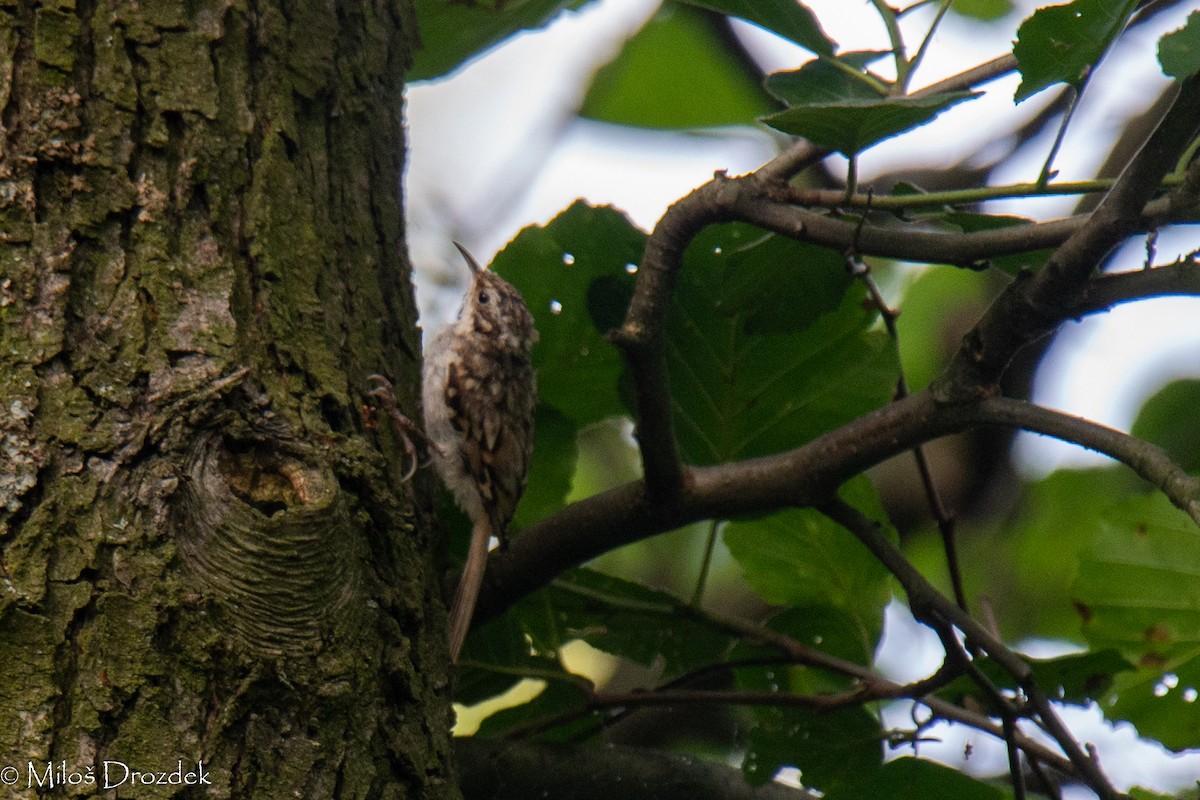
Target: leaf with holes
<point>575,274</point>
<point>837,750</point>
<point>1162,701</point>
<point>622,618</point>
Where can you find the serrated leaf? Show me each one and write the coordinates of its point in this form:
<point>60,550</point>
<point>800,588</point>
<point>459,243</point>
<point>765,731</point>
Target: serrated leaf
<point>622,618</point>
<point>451,33</point>
<point>1161,702</point>
<point>1169,420</point>
<point>853,125</point>
<point>849,109</point>
<point>573,274</point>
<point>739,394</point>
<point>823,82</point>
<point>789,18</point>
<point>809,281</point>
<point>917,779</point>
<point>1138,587</point>
<point>1061,44</point>
<point>839,749</point>
<point>676,72</point>
<point>801,558</point>
<point>1179,50</point>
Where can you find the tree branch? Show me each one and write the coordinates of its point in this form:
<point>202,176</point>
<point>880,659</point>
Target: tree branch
<point>1030,308</point>
<point>805,476</point>
<point>519,770</point>
<point>1114,288</point>
<point>1147,460</point>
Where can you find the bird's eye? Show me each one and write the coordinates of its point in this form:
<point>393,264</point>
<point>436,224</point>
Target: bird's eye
<point>484,298</point>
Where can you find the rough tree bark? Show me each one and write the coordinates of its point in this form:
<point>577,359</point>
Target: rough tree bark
<point>206,559</point>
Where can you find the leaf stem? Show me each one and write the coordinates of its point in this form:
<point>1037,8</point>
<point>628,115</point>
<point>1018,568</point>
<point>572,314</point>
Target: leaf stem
<point>899,56</point>
<point>954,197</point>
<point>1048,168</point>
<point>706,564</point>
<point>920,55</point>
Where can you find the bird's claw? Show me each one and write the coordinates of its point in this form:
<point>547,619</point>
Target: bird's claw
<point>405,428</point>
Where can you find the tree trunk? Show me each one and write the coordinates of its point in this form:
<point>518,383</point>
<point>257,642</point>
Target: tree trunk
<point>210,572</point>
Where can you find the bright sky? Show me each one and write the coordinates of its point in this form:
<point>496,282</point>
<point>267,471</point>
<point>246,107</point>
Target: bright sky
<point>496,147</point>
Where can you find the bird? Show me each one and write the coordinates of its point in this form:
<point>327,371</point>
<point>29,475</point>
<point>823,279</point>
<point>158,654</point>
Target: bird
<point>479,395</point>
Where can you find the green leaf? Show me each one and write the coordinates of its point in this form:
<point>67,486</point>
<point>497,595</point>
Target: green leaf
<point>1138,587</point>
<point>739,394</point>
<point>1077,679</point>
<point>828,629</point>
<point>497,656</point>
<point>575,276</point>
<point>1138,793</point>
<point>1161,702</point>
<point>789,18</point>
<point>554,456</point>
<point>918,779</point>
<point>1061,44</point>
<point>452,32</point>
<point>982,9</point>
<point>934,313</point>
<point>836,110</point>
<point>809,281</point>
<point>1179,50</point>
<point>622,618</point>
<point>677,72</point>
<point>801,558</point>
<point>1169,420</point>
<point>826,82</point>
<point>1025,563</point>
<point>839,749</point>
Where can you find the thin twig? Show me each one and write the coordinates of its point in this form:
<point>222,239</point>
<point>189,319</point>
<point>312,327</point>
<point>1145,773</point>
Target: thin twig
<point>945,522</point>
<point>929,605</point>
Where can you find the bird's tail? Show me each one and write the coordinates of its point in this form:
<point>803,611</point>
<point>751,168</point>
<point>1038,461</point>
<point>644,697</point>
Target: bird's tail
<point>467,593</point>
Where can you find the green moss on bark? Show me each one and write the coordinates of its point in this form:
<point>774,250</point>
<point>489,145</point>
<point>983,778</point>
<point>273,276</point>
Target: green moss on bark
<point>216,260</point>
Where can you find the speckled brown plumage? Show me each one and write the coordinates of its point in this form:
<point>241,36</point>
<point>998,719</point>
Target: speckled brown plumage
<point>479,392</point>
